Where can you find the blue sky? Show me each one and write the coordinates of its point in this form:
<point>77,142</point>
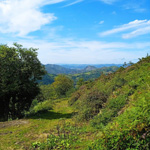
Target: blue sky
<point>78,31</point>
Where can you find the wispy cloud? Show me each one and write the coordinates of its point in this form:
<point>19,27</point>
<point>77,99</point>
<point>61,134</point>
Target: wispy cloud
<point>137,7</point>
<point>109,1</point>
<point>21,17</point>
<point>140,31</point>
<point>73,3</point>
<point>137,27</point>
<point>101,22</point>
<point>93,51</point>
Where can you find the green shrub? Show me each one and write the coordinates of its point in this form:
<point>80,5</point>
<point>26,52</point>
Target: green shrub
<point>62,138</point>
<point>90,104</point>
<point>111,110</point>
<point>76,95</point>
<point>133,84</point>
<point>131,130</point>
<point>40,108</point>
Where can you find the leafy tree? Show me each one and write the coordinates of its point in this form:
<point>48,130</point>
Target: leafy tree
<point>19,71</point>
<point>47,92</point>
<point>80,82</point>
<point>62,85</point>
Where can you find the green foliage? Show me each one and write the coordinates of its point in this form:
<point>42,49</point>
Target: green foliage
<point>92,75</point>
<point>123,117</point>
<point>47,79</point>
<point>47,92</point>
<point>76,75</point>
<point>110,111</point>
<point>131,130</point>
<point>62,85</point>
<point>41,107</point>
<point>62,137</point>
<point>133,84</point>
<point>19,71</point>
<point>91,104</point>
<point>80,82</point>
<point>125,121</point>
<point>76,95</point>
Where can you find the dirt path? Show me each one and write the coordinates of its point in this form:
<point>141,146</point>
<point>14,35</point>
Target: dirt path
<point>13,123</point>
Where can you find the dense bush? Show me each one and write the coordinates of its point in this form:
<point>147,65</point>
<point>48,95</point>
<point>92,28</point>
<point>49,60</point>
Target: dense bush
<point>40,107</point>
<point>62,85</point>
<point>131,130</point>
<point>76,95</point>
<point>90,104</point>
<point>110,111</point>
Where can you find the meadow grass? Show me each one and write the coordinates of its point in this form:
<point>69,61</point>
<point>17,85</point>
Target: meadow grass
<point>20,134</point>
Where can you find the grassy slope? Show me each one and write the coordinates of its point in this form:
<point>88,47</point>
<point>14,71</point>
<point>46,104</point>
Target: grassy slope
<point>20,134</point>
<point>123,121</point>
<point>91,75</point>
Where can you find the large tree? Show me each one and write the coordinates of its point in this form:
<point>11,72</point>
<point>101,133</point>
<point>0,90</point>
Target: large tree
<point>19,71</point>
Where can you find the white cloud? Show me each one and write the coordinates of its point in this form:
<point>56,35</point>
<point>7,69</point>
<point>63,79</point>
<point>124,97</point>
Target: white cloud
<point>138,27</point>
<point>140,31</point>
<point>73,3</point>
<point>109,1</point>
<point>88,52</point>
<point>101,22</point>
<point>137,7</point>
<point>24,16</point>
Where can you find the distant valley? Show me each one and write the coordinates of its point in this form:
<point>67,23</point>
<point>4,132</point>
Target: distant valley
<point>77,71</point>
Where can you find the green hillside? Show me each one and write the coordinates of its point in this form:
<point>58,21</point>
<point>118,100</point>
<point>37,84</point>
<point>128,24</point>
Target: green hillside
<point>57,69</point>
<point>109,113</point>
<point>118,105</point>
<point>92,75</point>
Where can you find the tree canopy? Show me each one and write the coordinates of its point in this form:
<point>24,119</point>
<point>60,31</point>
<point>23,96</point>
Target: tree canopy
<point>62,85</point>
<point>19,71</point>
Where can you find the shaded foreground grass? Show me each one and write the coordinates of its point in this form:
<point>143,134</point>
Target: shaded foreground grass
<point>50,115</point>
<point>20,134</point>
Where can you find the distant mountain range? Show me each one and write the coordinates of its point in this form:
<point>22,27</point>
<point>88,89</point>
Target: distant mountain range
<point>88,72</point>
<point>82,66</point>
<point>75,68</point>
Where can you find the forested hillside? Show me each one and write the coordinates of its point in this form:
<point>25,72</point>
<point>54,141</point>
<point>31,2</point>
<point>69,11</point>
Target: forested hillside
<point>56,69</point>
<point>92,74</point>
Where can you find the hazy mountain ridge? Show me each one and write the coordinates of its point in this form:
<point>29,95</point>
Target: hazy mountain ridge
<point>75,68</point>
<point>83,66</point>
<point>88,73</point>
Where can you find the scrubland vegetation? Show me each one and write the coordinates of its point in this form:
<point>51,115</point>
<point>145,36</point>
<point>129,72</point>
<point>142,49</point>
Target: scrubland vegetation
<point>110,113</point>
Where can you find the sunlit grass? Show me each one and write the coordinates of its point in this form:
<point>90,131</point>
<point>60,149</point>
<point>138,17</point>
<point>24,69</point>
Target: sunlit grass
<point>20,134</point>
